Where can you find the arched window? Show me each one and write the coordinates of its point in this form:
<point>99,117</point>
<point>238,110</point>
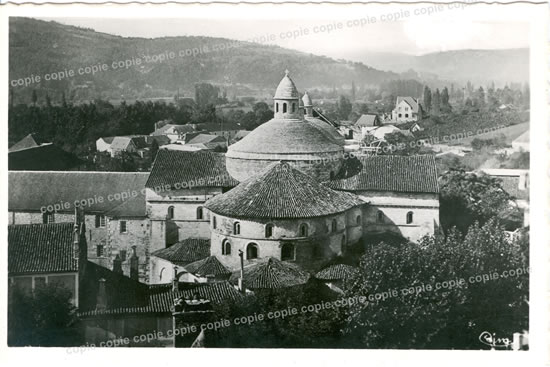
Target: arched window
<point>214,223</point>
<point>251,251</point>
<point>199,212</point>
<point>226,247</point>
<point>293,107</point>
<point>268,230</point>
<point>237,228</point>
<point>287,252</point>
<point>380,217</point>
<point>276,107</point>
<point>170,214</point>
<point>48,217</point>
<point>284,107</point>
<point>304,230</point>
<point>409,217</point>
<point>334,226</point>
<point>358,220</point>
<point>160,274</point>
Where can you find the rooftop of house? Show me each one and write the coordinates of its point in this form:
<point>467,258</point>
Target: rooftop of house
<point>209,266</point>
<point>31,191</point>
<point>270,273</point>
<point>413,174</point>
<point>367,120</point>
<point>205,138</point>
<point>158,298</point>
<point>337,272</point>
<point>185,252</point>
<point>201,168</point>
<point>281,192</point>
<point>41,248</point>
<point>523,138</point>
<point>30,141</point>
<point>217,126</point>
<point>174,129</point>
<point>46,157</point>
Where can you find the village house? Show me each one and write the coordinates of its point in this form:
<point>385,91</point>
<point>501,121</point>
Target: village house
<point>402,192</point>
<point>177,188</point>
<point>407,109</point>
<point>136,144</point>
<point>114,205</point>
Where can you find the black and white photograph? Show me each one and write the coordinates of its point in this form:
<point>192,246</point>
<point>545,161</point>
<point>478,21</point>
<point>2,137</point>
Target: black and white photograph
<point>344,177</point>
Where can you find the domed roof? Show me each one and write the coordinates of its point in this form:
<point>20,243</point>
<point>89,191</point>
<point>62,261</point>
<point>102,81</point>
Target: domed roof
<point>307,100</point>
<point>281,192</point>
<point>286,89</point>
<point>285,136</point>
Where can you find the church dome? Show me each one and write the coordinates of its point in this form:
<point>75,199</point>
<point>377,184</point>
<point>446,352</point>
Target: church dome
<point>286,89</point>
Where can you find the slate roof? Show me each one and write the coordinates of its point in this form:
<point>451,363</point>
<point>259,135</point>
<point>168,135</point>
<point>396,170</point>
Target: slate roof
<point>28,191</point>
<point>205,138</point>
<point>281,192</point>
<point>337,272</point>
<point>285,136</point>
<point>286,89</point>
<point>209,266</point>
<point>367,120</point>
<point>186,251</point>
<point>159,298</point>
<point>41,248</point>
<point>173,167</point>
<point>415,174</point>
<point>410,101</point>
<point>46,157</point>
<point>270,273</point>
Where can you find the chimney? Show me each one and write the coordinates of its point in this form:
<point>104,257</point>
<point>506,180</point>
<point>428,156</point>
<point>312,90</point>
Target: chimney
<point>101,301</point>
<point>78,231</point>
<point>117,264</point>
<point>175,281</point>
<point>134,262</point>
<point>241,278</point>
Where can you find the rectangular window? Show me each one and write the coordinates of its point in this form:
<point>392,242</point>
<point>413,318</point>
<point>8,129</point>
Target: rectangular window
<point>100,250</point>
<point>122,255</point>
<point>100,221</point>
<point>123,226</point>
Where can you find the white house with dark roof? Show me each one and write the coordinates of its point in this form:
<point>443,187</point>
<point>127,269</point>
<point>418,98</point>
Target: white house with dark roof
<point>407,109</point>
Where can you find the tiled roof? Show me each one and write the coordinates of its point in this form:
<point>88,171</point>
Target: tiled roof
<point>270,273</point>
<point>366,120</point>
<point>337,272</point>
<point>393,173</point>
<point>31,190</point>
<point>210,266</point>
<point>284,136</point>
<point>186,251</point>
<point>327,129</point>
<point>41,248</point>
<point>281,192</point>
<point>47,157</point>
<point>205,138</point>
<point>160,298</point>
<point>200,169</point>
<point>286,89</point>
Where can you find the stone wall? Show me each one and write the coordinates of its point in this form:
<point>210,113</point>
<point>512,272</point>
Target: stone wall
<point>395,206</point>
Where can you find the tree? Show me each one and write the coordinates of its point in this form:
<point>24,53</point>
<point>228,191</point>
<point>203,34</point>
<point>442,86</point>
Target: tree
<point>468,197</point>
<point>445,105</point>
<point>45,317</point>
<point>480,98</point>
<point>436,103</point>
<point>427,99</point>
<point>206,94</point>
<point>443,306</point>
<point>353,91</point>
<point>344,108</point>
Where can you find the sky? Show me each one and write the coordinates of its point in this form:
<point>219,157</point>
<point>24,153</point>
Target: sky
<point>414,36</point>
